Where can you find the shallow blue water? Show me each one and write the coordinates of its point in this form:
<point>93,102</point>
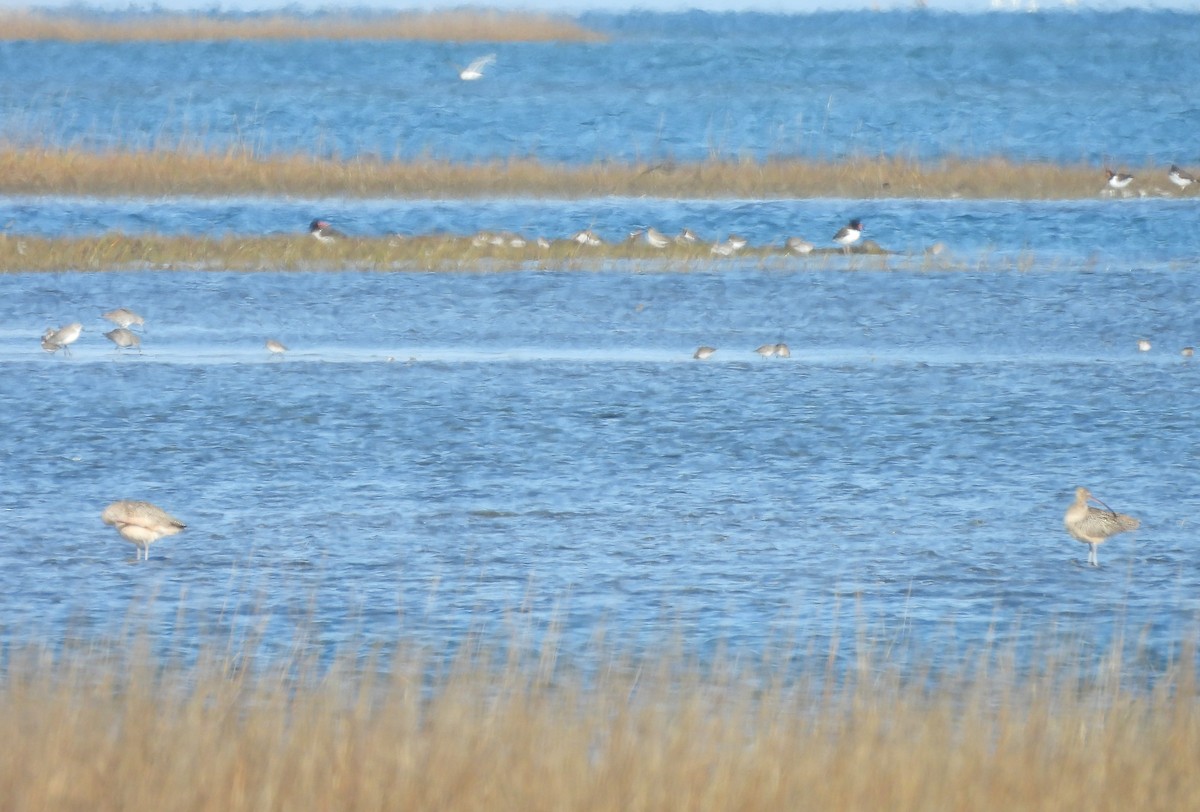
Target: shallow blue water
<point>1065,86</point>
<point>442,453</point>
<point>439,453</point>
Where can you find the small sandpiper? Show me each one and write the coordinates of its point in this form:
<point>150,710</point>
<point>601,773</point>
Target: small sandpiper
<point>656,238</point>
<point>783,351</point>
<point>275,347</point>
<point>124,338</point>
<point>704,353</point>
<point>767,350</point>
<point>587,237</point>
<point>798,245</point>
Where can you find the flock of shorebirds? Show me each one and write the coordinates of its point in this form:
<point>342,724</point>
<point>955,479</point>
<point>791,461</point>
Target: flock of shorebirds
<point>845,238</point>
<point>122,336</point>
<point>1120,181</point>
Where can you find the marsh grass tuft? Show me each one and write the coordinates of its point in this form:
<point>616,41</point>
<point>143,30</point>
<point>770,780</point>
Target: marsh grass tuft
<point>160,26</point>
<point>184,171</point>
<point>113,728</point>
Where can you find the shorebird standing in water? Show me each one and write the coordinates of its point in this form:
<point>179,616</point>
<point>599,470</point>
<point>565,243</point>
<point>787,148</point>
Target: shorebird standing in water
<point>848,234</point>
<point>141,523</point>
<point>275,347</point>
<point>61,338</point>
<point>704,353</point>
<point>124,338</point>
<point>767,350</point>
<point>1094,526</point>
<point>475,70</point>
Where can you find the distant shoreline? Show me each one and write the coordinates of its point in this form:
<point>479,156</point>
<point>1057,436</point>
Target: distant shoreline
<point>463,25</point>
<point>57,171</point>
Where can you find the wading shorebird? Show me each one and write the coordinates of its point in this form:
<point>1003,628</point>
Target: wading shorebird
<point>704,353</point>
<point>1118,180</point>
<point>323,232</point>
<point>848,234</point>
<point>783,351</point>
<point>124,338</point>
<point>475,70</point>
<point>275,347</point>
<point>124,317</point>
<point>60,338</point>
<point>1094,526</point>
<point>767,350</point>
<point>1179,177</point>
<point>141,523</point>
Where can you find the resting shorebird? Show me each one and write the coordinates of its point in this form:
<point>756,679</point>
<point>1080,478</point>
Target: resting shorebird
<point>783,351</point>
<point>767,350</point>
<point>1118,180</point>
<point>704,353</point>
<point>1094,526</point>
<point>1179,177</point>
<point>124,317</point>
<point>141,523</point>
<point>848,234</point>
<point>275,347</point>
<point>587,237</point>
<point>475,70</point>
<point>798,245</point>
<point>324,232</point>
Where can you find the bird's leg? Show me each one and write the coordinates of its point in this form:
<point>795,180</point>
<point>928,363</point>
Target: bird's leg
<point>1093,558</point>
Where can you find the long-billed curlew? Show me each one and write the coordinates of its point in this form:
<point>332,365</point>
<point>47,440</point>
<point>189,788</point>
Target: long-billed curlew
<point>141,523</point>
<point>1093,526</point>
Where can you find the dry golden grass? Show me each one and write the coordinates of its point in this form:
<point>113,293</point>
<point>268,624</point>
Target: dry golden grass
<point>459,26</point>
<point>35,171</point>
<point>116,251</point>
<point>118,731</point>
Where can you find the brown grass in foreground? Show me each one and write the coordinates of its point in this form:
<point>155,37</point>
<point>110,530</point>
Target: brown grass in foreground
<point>432,252</point>
<point>455,26</point>
<point>176,172</point>
<point>122,732</point>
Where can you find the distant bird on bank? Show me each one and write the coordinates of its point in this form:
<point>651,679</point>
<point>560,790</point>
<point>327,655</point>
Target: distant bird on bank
<point>798,245</point>
<point>275,347</point>
<point>124,338</point>
<point>686,237</point>
<point>848,234</point>
<point>475,70</point>
<point>704,353</point>
<point>1179,177</point>
<point>141,523</point>
<point>1094,526</point>
<point>656,239</point>
<point>124,317</point>
<point>323,232</point>
<point>1118,180</point>
<point>587,237</point>
<point>767,350</point>
<point>60,338</point>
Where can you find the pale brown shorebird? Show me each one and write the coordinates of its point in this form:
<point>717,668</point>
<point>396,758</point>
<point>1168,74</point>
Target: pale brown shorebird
<point>60,338</point>
<point>1144,345</point>
<point>1094,526</point>
<point>1188,352</point>
<point>783,351</point>
<point>275,347</point>
<point>124,338</point>
<point>124,317</point>
<point>141,523</point>
<point>704,353</point>
<point>798,245</point>
<point>656,239</point>
<point>767,350</point>
<point>587,237</point>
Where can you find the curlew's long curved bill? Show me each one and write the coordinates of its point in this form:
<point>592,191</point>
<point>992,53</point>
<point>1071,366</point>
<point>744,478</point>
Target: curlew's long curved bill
<point>1102,502</point>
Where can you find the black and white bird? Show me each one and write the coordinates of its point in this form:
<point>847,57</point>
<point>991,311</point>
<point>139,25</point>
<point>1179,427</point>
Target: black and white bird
<point>1179,177</point>
<point>1118,180</point>
<point>848,234</point>
<point>323,232</point>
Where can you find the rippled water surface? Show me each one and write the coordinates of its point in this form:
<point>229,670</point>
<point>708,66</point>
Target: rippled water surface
<point>441,453</point>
